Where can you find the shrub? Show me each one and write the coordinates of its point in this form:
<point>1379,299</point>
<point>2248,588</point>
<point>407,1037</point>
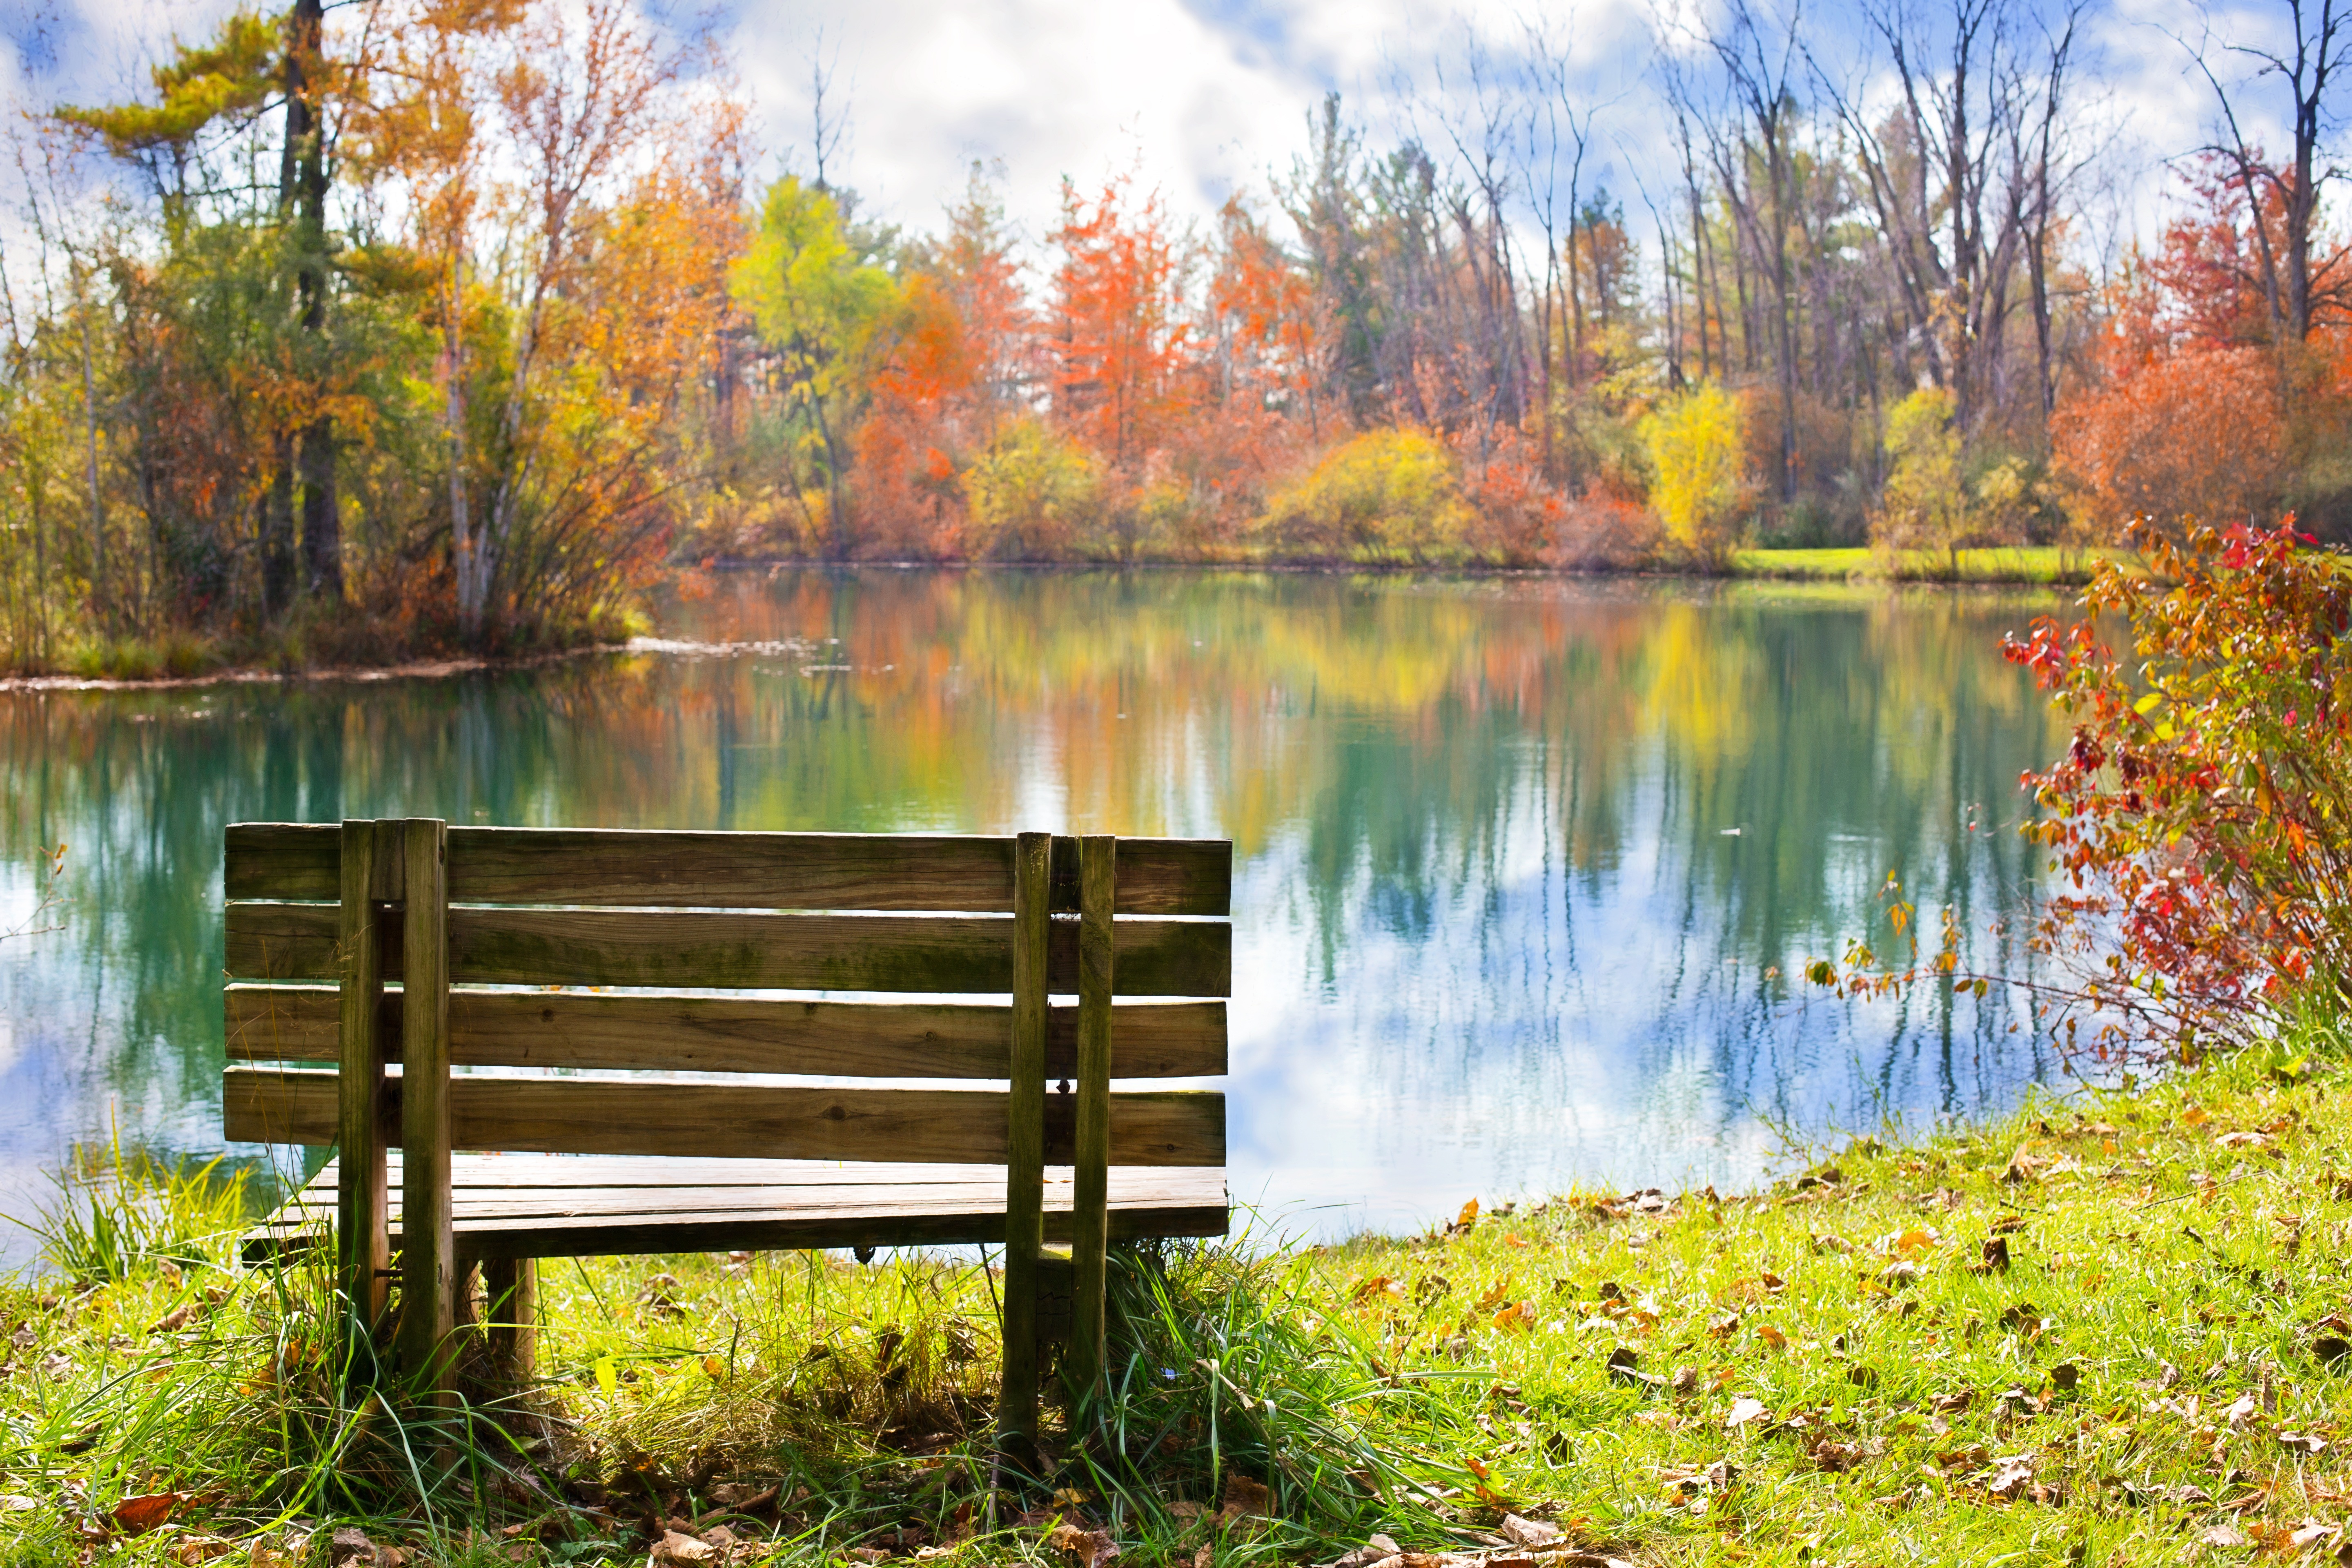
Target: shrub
<point>1383,496</point>
<point>1699,486</point>
<point>1925,505</point>
<point>1033,495</point>
<point>2199,814</point>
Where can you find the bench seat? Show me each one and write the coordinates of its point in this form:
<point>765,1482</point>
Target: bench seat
<point>586,1206</point>
<point>591,969</point>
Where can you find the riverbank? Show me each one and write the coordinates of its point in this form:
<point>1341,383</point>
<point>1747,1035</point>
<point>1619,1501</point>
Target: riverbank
<point>187,661</point>
<point>2111,1328</point>
<point>2021,566</point>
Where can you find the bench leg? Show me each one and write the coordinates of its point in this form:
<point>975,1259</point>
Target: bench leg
<point>511,1287</point>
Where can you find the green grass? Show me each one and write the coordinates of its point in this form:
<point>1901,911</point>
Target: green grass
<point>2108,1329</point>
<point>2035,563</point>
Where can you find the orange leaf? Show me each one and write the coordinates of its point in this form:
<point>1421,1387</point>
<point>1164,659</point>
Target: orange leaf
<point>138,1515</point>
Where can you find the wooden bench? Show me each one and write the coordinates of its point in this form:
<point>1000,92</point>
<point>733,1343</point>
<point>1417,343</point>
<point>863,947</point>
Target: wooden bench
<point>583,1139</point>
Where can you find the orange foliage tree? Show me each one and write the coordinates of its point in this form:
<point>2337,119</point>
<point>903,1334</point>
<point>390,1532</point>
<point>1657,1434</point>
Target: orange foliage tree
<point>1120,341</point>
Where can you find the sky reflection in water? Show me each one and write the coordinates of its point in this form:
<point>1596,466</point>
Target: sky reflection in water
<point>1528,868</point>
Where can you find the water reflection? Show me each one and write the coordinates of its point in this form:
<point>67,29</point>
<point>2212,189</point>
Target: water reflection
<point>1527,867</point>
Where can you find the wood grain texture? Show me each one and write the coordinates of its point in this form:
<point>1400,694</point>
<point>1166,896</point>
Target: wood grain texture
<point>1025,1171</point>
<point>643,1115</point>
<point>938,953</point>
<point>429,1273</point>
<point>364,1256</point>
<point>734,871</point>
<point>517,1206</point>
<point>607,1032</point>
<point>1099,881</point>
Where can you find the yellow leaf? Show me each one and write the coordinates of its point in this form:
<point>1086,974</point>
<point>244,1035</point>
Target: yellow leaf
<point>2195,1116</point>
<point>608,1375</point>
<point>1469,1216</point>
<point>713,1367</point>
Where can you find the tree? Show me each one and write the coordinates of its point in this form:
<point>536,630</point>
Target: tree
<point>1697,454</point>
<point>1119,337</point>
<point>1925,505</point>
<point>823,307</point>
<point>2320,51</point>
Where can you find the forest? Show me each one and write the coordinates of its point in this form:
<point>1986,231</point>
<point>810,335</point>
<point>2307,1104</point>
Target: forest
<point>424,327</point>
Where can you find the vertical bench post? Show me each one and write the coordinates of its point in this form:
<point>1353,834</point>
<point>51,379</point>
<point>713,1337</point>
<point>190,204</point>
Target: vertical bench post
<point>1090,1180</point>
<point>428,1267</point>
<point>1024,1145</point>
<point>370,877</point>
<point>512,1288</point>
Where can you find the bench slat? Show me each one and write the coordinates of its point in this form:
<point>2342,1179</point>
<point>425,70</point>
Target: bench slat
<point>940,953</point>
<point>719,1033</point>
<point>641,1116</point>
<point>806,1207</point>
<point>737,870</point>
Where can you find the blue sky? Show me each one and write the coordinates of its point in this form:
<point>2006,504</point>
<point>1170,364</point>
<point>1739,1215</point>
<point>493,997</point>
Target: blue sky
<point>1204,97</point>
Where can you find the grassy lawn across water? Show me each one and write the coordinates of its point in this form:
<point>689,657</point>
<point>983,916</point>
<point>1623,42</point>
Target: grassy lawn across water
<point>2024,564</point>
<point>2110,1328</point>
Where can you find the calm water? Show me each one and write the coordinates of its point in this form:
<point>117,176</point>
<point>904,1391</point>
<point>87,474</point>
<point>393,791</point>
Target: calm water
<point>1526,870</point>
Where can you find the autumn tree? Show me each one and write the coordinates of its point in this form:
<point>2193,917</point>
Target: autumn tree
<point>825,306</point>
<point>1119,333</point>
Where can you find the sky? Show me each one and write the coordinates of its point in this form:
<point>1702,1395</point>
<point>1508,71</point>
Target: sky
<point>1205,97</point>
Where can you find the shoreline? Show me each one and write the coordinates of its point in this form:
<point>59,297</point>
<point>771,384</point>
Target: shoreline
<point>1813,571</point>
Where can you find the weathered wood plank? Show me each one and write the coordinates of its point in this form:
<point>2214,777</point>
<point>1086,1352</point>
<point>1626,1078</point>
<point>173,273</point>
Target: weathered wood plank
<point>511,1285</point>
<point>364,1258</point>
<point>735,870</point>
<point>1025,1168</point>
<point>655,1219</point>
<point>429,1273</point>
<point>940,953</point>
<point>606,1032</point>
<point>1099,881</point>
<point>637,1116</point>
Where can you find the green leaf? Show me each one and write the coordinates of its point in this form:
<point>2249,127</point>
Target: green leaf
<point>608,1375</point>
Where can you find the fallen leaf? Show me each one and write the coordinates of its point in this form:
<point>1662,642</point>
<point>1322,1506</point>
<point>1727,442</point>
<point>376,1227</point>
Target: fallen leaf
<point>2012,1480</point>
<point>1530,1532</point>
<point>138,1515</point>
<point>191,1550</point>
<point>2330,1348</point>
<point>2303,1442</point>
<point>2065,1376</point>
<point>1087,1548</point>
<point>1469,1215</point>
<point>1518,1319</point>
<point>2225,1535</point>
<point>347,1545</point>
<point>1743,1410</point>
<point>678,1548</point>
<point>1495,1297</point>
<point>16,1503</point>
<point>2194,1116</point>
<point>1915,1241</point>
<point>1773,1336</point>
<point>177,1317</point>
<point>1378,1285</point>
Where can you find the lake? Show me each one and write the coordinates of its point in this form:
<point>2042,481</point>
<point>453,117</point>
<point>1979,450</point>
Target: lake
<point>1527,870</point>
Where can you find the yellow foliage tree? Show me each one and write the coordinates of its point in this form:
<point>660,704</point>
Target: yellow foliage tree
<point>1386,495</point>
<point>1699,487</point>
<point>1033,495</point>
<point>1925,505</point>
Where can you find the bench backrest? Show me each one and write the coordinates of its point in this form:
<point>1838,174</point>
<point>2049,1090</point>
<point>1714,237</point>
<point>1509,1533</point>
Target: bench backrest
<point>694,928</point>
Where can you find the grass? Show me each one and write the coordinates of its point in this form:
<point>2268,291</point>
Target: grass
<point>2107,1329</point>
<point>2033,564</point>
